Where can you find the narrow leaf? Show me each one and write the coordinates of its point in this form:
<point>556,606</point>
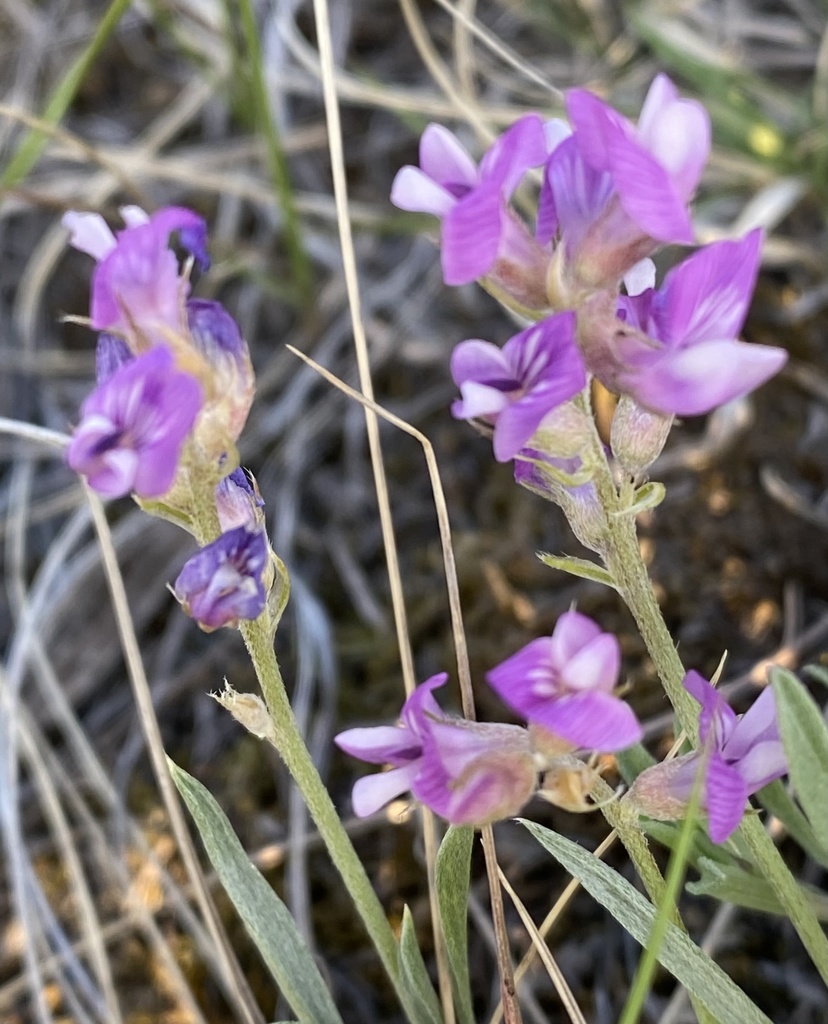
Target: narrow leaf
<point>265,916</point>
<point>649,496</point>
<point>581,567</point>
<point>775,798</point>
<point>452,880</point>
<point>805,739</point>
<point>679,955</point>
<point>414,975</point>
<point>732,884</point>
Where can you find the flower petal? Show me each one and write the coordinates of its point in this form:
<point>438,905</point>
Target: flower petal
<point>724,798</point>
<point>520,147</point>
<point>381,744</point>
<point>707,296</point>
<point>89,233</point>
<point>471,235</point>
<point>446,161</point>
<point>591,721</point>
<point>595,666</point>
<point>413,190</point>
<point>695,380</point>
<point>572,632</point>
<point>372,792</point>
<point>716,713</point>
<point>756,725</point>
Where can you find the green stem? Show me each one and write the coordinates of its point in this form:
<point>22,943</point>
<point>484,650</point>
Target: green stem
<point>622,557</point>
<point>300,764</point>
<point>290,744</point>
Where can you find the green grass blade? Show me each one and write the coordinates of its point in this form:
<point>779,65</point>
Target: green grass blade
<point>300,265</point>
<point>34,141</point>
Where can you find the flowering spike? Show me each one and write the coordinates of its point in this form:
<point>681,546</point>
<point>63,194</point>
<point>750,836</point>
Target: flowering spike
<point>224,581</point>
<point>133,427</point>
<point>565,682</point>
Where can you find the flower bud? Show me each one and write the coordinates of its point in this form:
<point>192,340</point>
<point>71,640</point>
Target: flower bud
<point>238,501</point>
<point>638,435</point>
<point>224,581</point>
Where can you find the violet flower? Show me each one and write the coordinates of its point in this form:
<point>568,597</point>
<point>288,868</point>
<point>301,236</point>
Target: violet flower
<point>467,772</point>
<point>677,351</point>
<point>739,757</point>
<point>654,167</point>
<point>515,387</point>
<point>238,501</point>
<point>224,581</point>
<point>111,353</point>
<point>564,683</point>
<point>133,427</point>
<point>400,746</point>
<point>136,285</point>
<point>478,229</point>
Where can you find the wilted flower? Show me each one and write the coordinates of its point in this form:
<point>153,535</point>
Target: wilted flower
<point>515,387</point>
<point>134,425</point>
<point>738,757</point>
<point>224,581</point>
<point>481,236</point>
<point>564,683</point>
<point>467,772</point>
<point>137,289</point>
<point>676,349</point>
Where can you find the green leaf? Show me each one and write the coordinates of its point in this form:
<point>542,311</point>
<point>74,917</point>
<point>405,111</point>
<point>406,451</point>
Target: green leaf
<point>805,739</point>
<point>679,955</point>
<point>732,884</point>
<point>649,496</point>
<point>581,567</point>
<point>265,916</point>
<point>414,975</point>
<point>452,881</point>
<point>775,798</point>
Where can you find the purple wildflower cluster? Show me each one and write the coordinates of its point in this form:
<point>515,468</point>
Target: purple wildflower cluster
<point>174,387</point>
<point>472,773</point>
<point>611,195</point>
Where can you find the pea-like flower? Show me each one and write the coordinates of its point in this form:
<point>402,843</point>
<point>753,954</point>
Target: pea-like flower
<point>470,773</point>
<point>676,350</point>
<point>565,684</point>
<point>515,387</point>
<point>738,756</point>
<point>133,426</point>
<point>481,236</point>
<point>224,581</point>
<point>137,289</point>
<point>655,166</point>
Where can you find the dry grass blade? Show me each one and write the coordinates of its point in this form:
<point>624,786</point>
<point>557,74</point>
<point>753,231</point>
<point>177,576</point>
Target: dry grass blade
<point>558,980</point>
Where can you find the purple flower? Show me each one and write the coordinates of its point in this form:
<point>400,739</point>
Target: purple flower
<point>477,226</point>
<point>133,427</point>
<point>228,375</point>
<point>655,167</point>
<point>111,353</point>
<point>513,388</point>
<point>136,285</point>
<point>400,746</point>
<point>474,773</point>
<point>224,581</point>
<point>238,501</point>
<point>677,350</point>
<point>739,757</point>
<point>467,772</point>
<point>565,682</point>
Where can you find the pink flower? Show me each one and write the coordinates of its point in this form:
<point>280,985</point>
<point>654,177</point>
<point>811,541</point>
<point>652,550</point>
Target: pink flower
<point>565,682</point>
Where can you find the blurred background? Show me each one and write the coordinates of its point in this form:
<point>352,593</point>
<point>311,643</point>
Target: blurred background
<point>202,103</point>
